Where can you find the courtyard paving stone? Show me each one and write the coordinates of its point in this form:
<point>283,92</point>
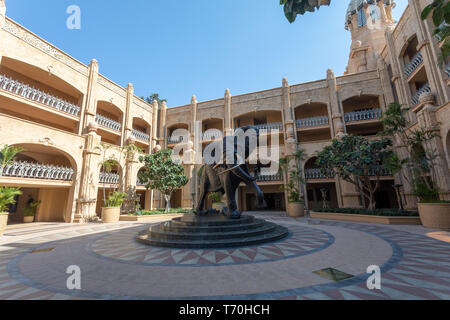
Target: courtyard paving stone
<point>415,263</point>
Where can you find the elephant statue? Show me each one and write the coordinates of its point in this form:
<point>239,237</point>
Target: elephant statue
<point>225,178</point>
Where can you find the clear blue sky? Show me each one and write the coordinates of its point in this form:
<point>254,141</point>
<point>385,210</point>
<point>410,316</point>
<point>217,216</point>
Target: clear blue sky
<point>183,47</point>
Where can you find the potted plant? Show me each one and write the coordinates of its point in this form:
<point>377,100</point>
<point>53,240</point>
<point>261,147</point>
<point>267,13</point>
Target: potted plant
<point>218,204</point>
<point>111,210</point>
<point>30,211</point>
<point>290,167</point>
<point>419,167</point>
<point>7,197</point>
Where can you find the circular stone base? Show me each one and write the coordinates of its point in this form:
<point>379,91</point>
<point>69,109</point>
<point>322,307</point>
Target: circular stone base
<point>207,232</point>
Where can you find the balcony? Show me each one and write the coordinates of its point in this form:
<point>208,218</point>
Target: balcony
<point>363,115</point>
<point>413,64</point>
<point>269,178</point>
<point>109,178</point>
<point>416,96</point>
<point>141,135</point>
<point>23,169</point>
<point>36,95</point>
<point>384,172</point>
<point>212,134</point>
<point>108,123</point>
<point>312,122</point>
<point>311,174</point>
<point>174,140</point>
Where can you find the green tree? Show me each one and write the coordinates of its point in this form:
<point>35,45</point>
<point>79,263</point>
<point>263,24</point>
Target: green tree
<point>7,155</point>
<point>291,168</point>
<point>419,165</point>
<point>154,97</point>
<point>358,160</point>
<point>162,173</point>
<point>293,8</point>
<point>439,11</point>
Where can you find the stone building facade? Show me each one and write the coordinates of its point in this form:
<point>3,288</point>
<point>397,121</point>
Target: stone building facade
<point>64,113</point>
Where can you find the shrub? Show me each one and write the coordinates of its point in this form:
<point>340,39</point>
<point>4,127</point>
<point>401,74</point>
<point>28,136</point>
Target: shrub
<point>376,212</point>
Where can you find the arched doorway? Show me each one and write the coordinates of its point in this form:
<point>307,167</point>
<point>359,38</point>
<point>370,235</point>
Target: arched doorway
<point>110,180</point>
<point>320,189</point>
<point>46,175</point>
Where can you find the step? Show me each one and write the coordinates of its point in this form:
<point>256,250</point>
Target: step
<point>170,227</point>
<point>277,234</point>
<point>157,233</point>
<point>216,220</point>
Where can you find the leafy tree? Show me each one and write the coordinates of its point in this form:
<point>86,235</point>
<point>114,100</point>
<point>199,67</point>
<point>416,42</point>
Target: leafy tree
<point>7,155</point>
<point>162,173</point>
<point>358,160</point>
<point>7,197</point>
<point>439,10</point>
<point>419,164</point>
<point>153,97</point>
<point>292,8</point>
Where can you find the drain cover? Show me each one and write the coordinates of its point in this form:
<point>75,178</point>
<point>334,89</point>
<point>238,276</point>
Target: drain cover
<point>42,250</point>
<point>333,274</point>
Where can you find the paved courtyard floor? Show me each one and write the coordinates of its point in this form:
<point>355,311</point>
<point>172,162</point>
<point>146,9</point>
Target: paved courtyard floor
<point>415,263</point>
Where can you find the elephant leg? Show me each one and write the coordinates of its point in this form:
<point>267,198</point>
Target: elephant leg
<point>259,195</point>
<point>230,191</point>
<point>202,197</point>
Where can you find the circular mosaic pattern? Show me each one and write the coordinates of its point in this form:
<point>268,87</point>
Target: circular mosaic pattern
<point>123,247</point>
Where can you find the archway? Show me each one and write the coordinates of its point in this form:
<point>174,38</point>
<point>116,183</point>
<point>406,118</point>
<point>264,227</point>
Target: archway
<point>109,117</point>
<point>44,174</point>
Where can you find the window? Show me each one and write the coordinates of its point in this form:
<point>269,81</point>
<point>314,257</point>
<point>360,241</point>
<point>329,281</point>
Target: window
<point>362,21</point>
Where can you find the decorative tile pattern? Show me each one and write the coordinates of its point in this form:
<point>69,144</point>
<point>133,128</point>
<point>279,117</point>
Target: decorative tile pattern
<point>123,247</point>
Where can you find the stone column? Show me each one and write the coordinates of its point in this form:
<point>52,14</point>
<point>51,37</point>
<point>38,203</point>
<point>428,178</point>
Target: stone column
<point>194,105</point>
<point>131,166</point>
<point>428,121</point>
<point>155,108</point>
<point>128,121</point>
<point>162,125</point>
<point>89,107</point>
<point>385,81</point>
<point>87,199</point>
<point>228,125</point>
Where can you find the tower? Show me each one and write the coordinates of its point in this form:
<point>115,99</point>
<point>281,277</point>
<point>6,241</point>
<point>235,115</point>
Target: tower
<point>367,21</point>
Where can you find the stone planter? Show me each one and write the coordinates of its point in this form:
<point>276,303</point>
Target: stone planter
<point>296,209</point>
<point>28,219</point>
<point>110,215</point>
<point>435,215</point>
<point>3,222</point>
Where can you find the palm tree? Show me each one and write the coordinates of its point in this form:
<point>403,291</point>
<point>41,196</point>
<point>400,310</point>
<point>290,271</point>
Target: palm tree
<point>7,155</point>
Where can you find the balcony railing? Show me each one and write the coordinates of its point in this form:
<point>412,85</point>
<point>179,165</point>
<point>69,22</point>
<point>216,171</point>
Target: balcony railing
<point>416,96</point>
<point>109,178</point>
<point>108,123</point>
<point>311,174</point>
<point>36,95</point>
<point>211,134</point>
<point>265,178</point>
<point>312,122</point>
<point>414,64</point>
<point>172,140</point>
<point>370,114</point>
<point>278,126</point>
<point>141,135</point>
<point>23,169</point>
<point>140,183</point>
<point>384,172</point>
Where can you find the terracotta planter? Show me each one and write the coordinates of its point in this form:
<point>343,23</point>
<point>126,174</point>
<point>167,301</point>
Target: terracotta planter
<point>3,222</point>
<point>435,215</point>
<point>28,219</point>
<point>296,209</point>
<point>110,215</point>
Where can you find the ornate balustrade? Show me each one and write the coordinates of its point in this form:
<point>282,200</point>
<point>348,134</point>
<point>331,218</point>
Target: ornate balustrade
<point>211,134</point>
<point>312,122</point>
<point>23,169</point>
<point>370,114</point>
<point>108,123</point>
<point>36,95</point>
<point>109,178</point>
<point>141,135</point>
<point>171,140</point>
<point>416,96</point>
<point>414,64</point>
<point>311,174</point>
<point>140,183</point>
<point>265,178</point>
<point>384,172</point>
